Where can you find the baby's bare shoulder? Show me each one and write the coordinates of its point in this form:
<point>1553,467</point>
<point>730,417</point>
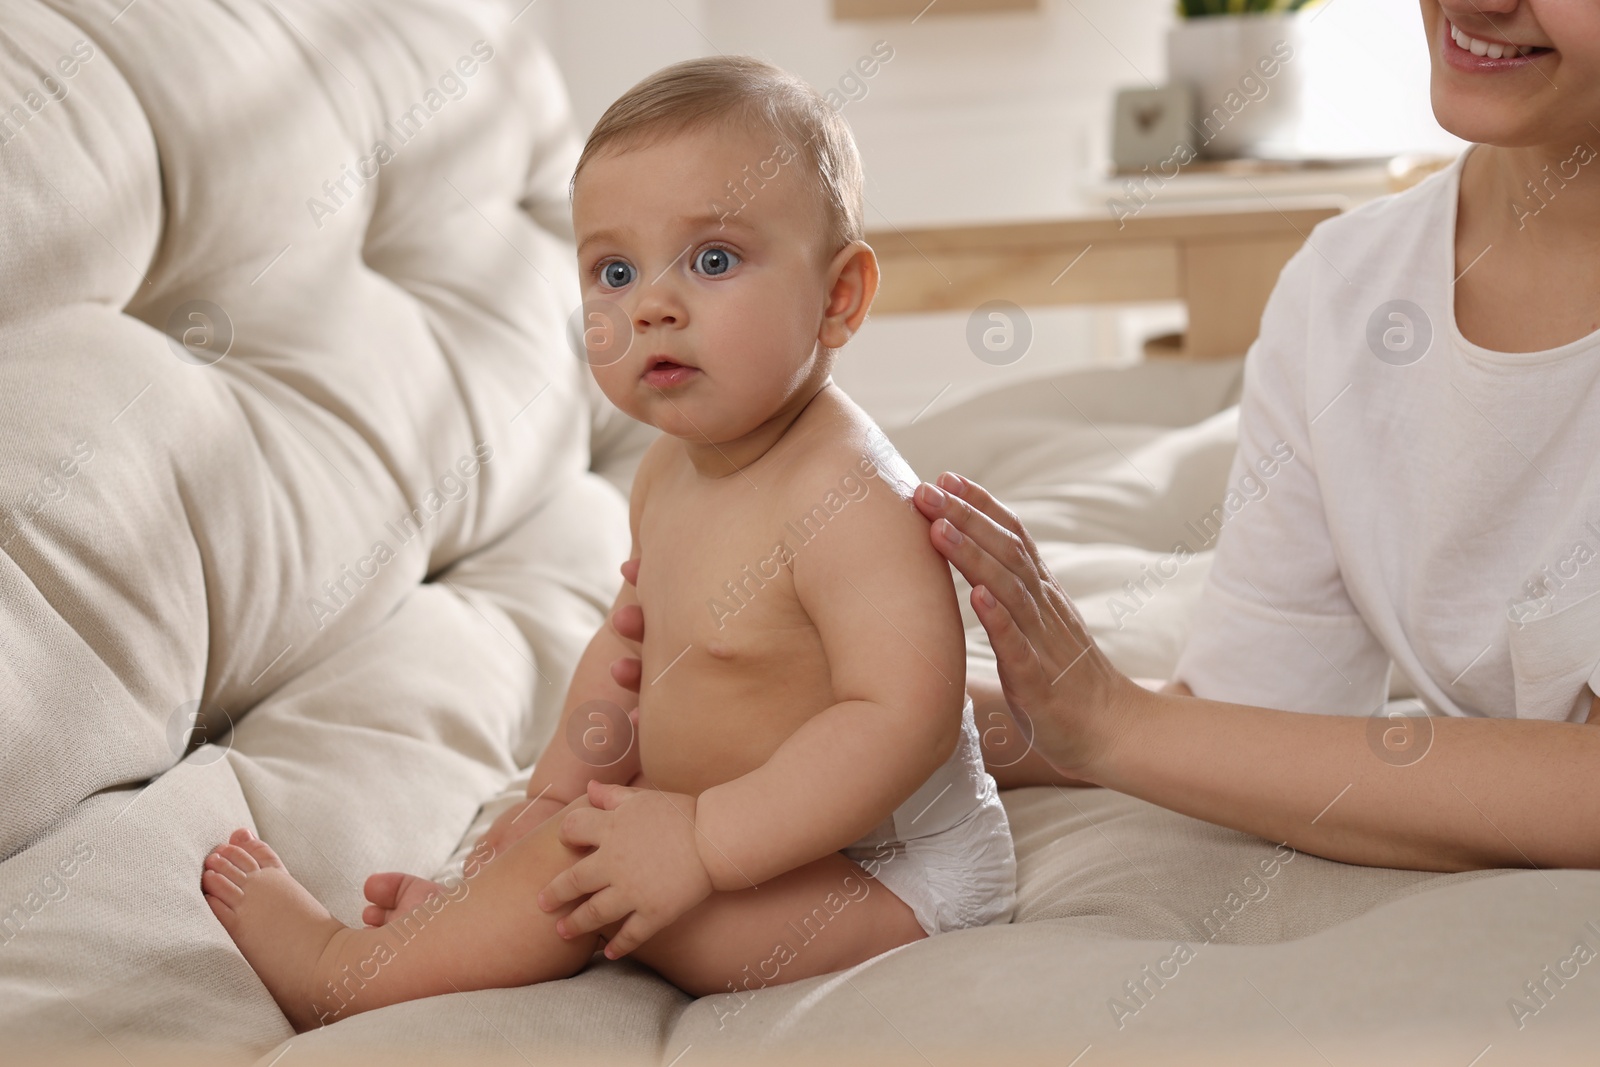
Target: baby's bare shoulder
<point>849,475</point>
<point>880,595</point>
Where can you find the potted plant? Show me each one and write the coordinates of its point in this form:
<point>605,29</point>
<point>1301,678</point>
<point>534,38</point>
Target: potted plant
<point>1243,60</point>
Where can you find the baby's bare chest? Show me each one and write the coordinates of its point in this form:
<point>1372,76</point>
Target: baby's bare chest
<point>717,577</point>
<point>732,664</point>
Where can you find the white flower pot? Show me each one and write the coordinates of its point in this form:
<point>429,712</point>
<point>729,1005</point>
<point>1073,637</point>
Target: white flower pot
<point>1247,73</point>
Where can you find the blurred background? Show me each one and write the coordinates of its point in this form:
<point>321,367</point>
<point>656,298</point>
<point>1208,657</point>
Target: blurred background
<point>1004,110</point>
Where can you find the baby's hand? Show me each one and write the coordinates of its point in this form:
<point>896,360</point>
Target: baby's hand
<point>645,866</point>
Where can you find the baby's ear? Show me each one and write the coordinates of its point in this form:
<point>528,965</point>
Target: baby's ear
<point>853,282</point>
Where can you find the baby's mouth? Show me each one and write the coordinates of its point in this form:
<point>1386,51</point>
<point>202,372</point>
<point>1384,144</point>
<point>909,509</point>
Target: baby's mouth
<point>663,371</point>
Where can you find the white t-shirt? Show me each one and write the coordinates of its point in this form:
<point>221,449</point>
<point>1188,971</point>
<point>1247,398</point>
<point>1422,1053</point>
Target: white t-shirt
<point>1441,504</point>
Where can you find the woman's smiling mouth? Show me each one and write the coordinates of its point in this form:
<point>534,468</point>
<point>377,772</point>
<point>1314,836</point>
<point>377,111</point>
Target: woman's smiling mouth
<point>1467,52</point>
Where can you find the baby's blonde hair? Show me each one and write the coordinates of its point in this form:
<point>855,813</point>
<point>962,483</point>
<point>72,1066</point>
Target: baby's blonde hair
<point>699,92</point>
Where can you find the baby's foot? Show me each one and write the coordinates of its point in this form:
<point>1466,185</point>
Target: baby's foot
<point>393,893</point>
<point>279,927</point>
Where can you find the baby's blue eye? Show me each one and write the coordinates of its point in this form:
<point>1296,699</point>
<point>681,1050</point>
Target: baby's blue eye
<point>616,274</point>
<point>714,261</point>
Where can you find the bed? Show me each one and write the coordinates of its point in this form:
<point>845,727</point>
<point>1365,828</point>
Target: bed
<point>307,507</point>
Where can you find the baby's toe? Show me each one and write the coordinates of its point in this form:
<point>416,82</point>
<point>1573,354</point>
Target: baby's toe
<point>373,915</point>
<point>239,857</point>
<point>258,849</point>
<point>384,889</point>
<point>221,865</point>
<point>220,889</point>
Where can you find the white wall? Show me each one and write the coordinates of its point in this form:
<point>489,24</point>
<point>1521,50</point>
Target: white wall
<point>994,117</point>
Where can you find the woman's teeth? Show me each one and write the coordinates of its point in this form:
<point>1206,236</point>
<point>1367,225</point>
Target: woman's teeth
<point>1484,48</point>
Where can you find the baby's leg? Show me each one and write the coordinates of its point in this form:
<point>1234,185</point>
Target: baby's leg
<point>822,917</point>
<point>395,891</point>
<point>392,893</point>
<point>485,933</point>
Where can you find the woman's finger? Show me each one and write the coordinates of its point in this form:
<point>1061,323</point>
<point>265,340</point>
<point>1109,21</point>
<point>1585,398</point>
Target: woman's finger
<point>1014,652</point>
<point>998,573</point>
<point>999,553</point>
<point>628,673</point>
<point>980,499</point>
<point>628,621</point>
<point>987,504</point>
<point>1013,534</point>
<point>994,536</point>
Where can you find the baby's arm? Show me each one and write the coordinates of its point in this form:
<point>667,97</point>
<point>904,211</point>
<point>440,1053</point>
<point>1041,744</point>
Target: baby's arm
<point>560,776</point>
<point>884,604</point>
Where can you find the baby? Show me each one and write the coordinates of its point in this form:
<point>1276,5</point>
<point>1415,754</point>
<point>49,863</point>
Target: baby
<point>806,760</point>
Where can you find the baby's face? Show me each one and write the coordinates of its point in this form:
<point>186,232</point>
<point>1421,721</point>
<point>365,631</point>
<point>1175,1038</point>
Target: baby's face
<point>726,300</point>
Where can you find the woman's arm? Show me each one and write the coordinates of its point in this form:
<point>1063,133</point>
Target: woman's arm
<point>1487,792</point>
<point>1484,793</point>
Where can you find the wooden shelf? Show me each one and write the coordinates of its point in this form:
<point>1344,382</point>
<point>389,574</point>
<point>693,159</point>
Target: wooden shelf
<point>1222,263</point>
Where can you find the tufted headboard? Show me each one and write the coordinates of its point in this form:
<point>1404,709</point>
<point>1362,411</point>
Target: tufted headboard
<point>292,442</point>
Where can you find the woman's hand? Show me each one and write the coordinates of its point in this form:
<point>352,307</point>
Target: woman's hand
<point>628,621</point>
<point>1051,671</point>
<point>645,867</point>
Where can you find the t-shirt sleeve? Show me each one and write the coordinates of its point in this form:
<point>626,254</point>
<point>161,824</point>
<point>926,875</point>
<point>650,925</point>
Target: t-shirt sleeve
<point>1275,626</point>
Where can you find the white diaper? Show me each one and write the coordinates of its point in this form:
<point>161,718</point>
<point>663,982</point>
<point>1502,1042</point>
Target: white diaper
<point>947,851</point>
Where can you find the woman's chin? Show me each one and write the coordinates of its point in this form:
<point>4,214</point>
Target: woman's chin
<point>1488,118</point>
<point>1504,117</point>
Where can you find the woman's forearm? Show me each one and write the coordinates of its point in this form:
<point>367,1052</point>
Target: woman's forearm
<point>1484,792</point>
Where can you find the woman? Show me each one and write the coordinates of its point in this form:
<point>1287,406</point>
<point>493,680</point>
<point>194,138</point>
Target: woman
<point>1431,363</point>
